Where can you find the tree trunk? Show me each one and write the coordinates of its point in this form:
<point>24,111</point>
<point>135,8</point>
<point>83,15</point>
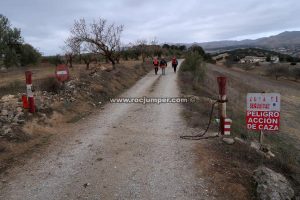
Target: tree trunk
<point>87,66</point>
<point>143,57</point>
<point>113,62</point>
<point>71,62</point>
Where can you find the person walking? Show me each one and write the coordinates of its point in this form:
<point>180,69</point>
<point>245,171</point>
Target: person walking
<point>163,64</point>
<point>174,63</point>
<point>155,64</point>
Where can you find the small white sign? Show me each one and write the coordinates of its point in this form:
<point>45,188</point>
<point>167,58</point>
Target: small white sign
<point>263,102</point>
<point>29,90</point>
<point>61,72</point>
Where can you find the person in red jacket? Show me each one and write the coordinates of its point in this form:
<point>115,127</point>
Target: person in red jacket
<point>174,63</point>
<point>155,64</point>
<point>163,64</point>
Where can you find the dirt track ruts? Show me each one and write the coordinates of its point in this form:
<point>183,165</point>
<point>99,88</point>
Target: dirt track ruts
<point>125,151</point>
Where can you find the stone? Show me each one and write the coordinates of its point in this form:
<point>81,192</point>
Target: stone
<point>265,148</point>
<point>4,112</point>
<point>86,185</point>
<point>229,141</point>
<point>21,122</point>
<point>255,145</point>
<point>240,140</point>
<point>271,185</point>
<point>270,154</point>
<point>19,109</point>
<point>6,131</point>
<point>7,98</point>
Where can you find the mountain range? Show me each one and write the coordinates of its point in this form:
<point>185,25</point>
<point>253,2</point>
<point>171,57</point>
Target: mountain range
<point>286,42</point>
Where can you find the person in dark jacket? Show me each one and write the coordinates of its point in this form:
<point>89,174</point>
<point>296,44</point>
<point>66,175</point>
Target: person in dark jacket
<point>174,63</point>
<point>155,64</point>
<point>163,64</point>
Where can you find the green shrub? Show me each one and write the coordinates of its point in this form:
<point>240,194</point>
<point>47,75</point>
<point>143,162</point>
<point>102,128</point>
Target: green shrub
<point>194,64</point>
<point>29,55</point>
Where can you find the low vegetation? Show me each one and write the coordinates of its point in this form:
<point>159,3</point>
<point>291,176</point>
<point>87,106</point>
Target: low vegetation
<point>280,71</point>
<point>195,66</point>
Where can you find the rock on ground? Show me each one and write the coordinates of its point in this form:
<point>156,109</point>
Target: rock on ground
<point>272,185</point>
<point>229,141</point>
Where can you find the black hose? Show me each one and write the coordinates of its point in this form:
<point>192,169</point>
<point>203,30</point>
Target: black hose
<point>200,136</point>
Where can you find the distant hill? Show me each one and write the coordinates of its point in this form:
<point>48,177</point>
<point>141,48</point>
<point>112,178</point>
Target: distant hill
<point>286,43</point>
<point>237,54</point>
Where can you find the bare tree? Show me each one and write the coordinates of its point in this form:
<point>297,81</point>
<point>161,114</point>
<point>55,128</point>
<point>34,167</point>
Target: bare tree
<point>87,59</point>
<point>100,37</point>
<point>142,48</point>
<point>71,49</point>
<point>154,48</point>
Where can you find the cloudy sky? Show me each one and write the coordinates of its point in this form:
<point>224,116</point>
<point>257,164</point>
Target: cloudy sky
<point>46,23</point>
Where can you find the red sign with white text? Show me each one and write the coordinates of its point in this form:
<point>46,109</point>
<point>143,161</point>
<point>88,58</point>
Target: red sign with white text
<point>263,111</point>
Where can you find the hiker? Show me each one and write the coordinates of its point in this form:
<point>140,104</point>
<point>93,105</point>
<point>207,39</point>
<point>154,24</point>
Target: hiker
<point>163,64</point>
<point>155,64</point>
<point>174,63</point>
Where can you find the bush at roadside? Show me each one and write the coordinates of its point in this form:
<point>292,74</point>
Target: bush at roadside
<point>194,64</point>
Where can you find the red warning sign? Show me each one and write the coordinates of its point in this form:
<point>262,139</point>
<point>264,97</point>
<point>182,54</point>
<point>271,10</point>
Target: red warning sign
<point>263,111</point>
<point>62,73</point>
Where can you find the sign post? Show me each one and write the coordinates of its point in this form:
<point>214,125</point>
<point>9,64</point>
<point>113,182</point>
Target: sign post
<point>28,75</point>
<point>263,112</point>
<point>225,123</point>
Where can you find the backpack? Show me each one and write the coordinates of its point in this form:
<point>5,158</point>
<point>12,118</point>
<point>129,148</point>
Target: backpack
<point>174,61</point>
<point>155,62</point>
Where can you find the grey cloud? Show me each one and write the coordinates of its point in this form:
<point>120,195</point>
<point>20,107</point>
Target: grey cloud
<point>46,24</point>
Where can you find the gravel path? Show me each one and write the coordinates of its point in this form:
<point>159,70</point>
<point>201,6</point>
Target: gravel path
<point>125,151</point>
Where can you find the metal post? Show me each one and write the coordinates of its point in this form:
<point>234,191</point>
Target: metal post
<point>28,75</point>
<point>222,102</point>
<point>261,137</point>
<point>25,101</point>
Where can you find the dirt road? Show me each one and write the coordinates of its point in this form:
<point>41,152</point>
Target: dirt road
<point>125,151</point>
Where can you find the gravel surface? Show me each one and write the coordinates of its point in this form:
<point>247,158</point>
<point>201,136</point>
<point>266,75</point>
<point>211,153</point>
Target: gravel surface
<point>125,151</point>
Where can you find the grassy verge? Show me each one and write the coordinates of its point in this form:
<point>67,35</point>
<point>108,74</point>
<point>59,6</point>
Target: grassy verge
<point>237,159</point>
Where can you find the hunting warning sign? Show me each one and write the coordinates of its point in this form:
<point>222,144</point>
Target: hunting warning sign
<point>263,111</point>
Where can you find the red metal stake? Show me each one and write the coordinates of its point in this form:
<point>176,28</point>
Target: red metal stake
<point>28,75</point>
<point>25,101</point>
<point>222,102</point>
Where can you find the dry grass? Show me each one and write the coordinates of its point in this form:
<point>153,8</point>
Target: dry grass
<point>284,144</point>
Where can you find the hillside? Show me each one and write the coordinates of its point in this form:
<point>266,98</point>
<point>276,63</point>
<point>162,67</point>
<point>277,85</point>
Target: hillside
<point>237,54</point>
<point>286,43</point>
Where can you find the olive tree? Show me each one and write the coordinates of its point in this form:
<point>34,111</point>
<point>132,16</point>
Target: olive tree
<point>10,42</point>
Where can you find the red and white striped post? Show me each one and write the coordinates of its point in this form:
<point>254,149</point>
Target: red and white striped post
<point>224,128</point>
<point>28,75</point>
